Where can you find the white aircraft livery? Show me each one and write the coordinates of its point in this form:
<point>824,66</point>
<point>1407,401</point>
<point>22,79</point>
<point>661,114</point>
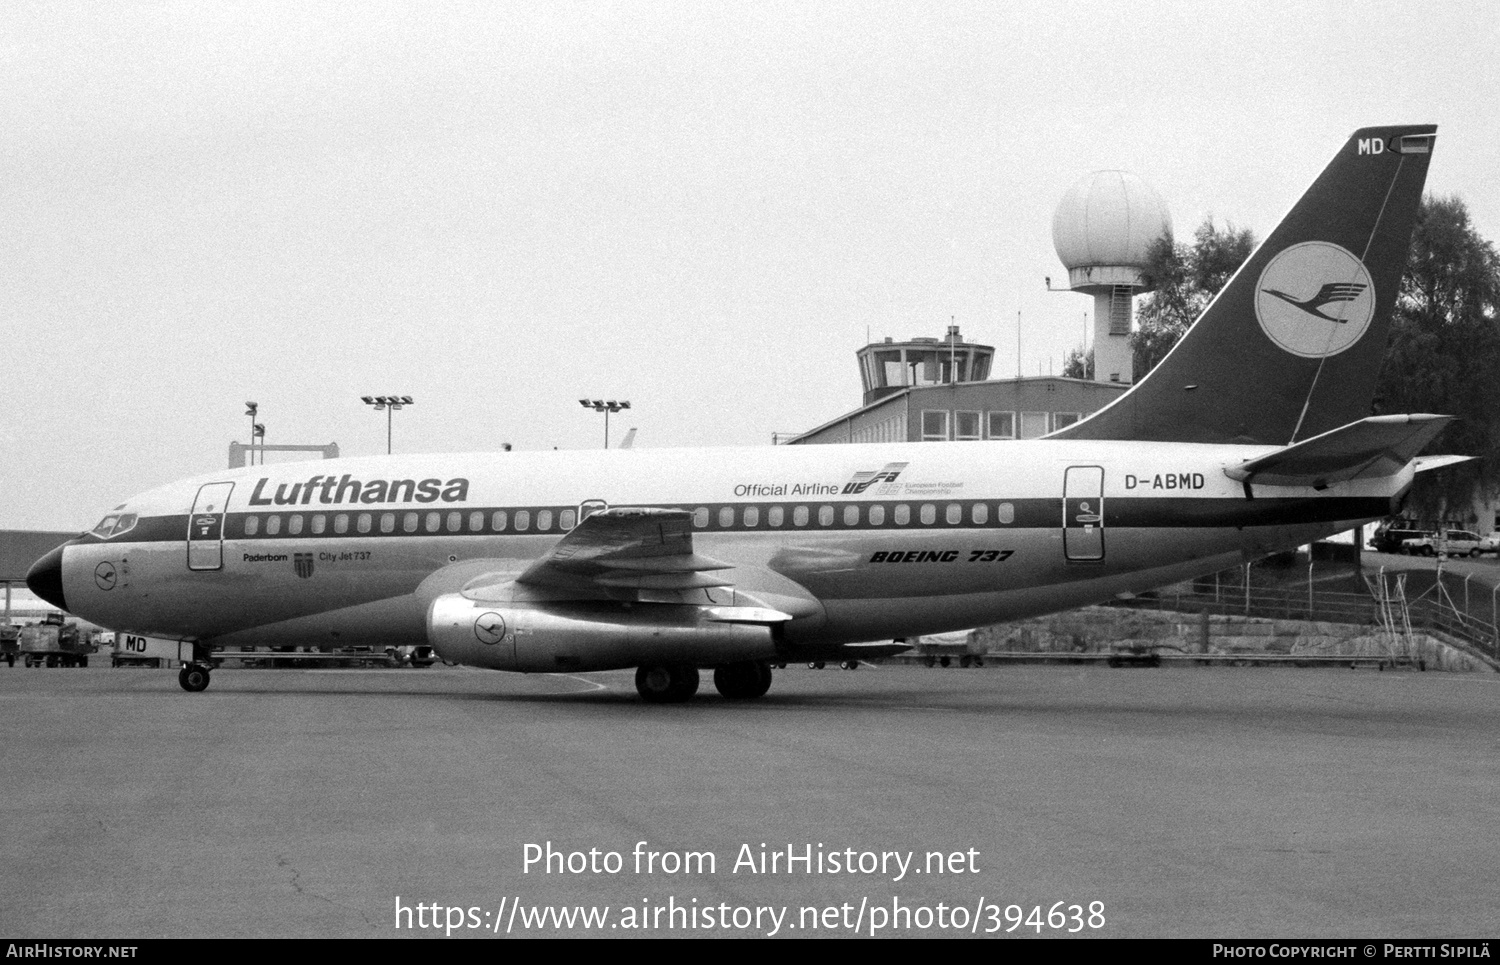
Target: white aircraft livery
<point>1252,436</point>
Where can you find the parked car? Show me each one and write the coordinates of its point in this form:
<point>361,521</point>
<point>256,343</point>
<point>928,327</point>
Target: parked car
<point>1391,534</point>
<point>1455,542</point>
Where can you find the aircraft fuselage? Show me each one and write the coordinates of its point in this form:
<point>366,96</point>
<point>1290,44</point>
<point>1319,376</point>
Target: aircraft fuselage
<point>855,542</point>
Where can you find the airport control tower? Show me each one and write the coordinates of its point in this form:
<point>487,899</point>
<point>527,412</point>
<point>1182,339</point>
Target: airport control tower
<point>890,366</point>
<point>1102,230</point>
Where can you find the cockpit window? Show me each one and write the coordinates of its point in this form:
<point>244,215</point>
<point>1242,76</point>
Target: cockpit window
<point>114,525</point>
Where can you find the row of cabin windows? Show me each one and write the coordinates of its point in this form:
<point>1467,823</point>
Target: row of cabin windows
<point>850,514</point>
<point>996,425</point>
<point>433,522</point>
<point>521,520</point>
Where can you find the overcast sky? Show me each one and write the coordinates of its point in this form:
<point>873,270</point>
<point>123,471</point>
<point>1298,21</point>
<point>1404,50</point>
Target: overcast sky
<point>699,207</point>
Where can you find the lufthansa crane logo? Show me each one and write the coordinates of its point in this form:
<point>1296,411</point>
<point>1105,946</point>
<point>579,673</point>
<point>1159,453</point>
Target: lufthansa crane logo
<point>1315,299</point>
<point>490,628</point>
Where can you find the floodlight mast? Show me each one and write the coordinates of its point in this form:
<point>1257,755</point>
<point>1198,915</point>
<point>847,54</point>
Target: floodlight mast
<point>390,403</point>
<point>606,407</point>
<point>250,409</point>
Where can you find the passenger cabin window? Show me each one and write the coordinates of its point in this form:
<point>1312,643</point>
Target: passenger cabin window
<point>319,524</point>
<point>523,520</point>
<point>929,514</point>
<point>387,522</point>
<point>851,515</point>
<point>954,514</point>
<point>825,515</point>
<point>775,516</point>
<point>544,520</point>
<point>799,516</point>
<point>980,514</point>
<point>431,522</point>
<point>409,522</point>
<point>903,514</point>
<point>273,525</point>
<point>700,517</point>
<point>476,522</point>
<point>252,525</point>
<point>726,517</point>
<point>363,523</point>
<point>752,516</point>
<point>498,521</point>
<point>568,519</point>
<point>341,523</point>
<point>877,515</point>
<point>294,524</point>
<point>455,522</point>
<point>1005,513</point>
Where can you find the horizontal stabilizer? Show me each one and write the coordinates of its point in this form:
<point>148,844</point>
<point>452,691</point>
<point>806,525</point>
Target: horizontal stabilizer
<point>1429,463</point>
<point>1370,448</point>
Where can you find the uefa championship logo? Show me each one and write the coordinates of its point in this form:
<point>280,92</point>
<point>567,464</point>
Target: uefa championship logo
<point>1315,299</point>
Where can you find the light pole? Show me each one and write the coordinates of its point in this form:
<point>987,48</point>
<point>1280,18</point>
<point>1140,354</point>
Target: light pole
<point>606,408</point>
<point>250,409</point>
<point>258,431</point>
<point>390,403</point>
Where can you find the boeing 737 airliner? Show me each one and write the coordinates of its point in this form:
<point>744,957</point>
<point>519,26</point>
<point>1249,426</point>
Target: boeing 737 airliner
<point>1252,436</point>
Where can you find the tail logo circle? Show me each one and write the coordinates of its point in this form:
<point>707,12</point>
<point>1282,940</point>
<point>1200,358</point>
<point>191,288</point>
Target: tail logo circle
<point>1315,299</point>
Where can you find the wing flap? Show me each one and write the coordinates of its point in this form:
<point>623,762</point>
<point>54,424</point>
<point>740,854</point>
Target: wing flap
<point>630,550</point>
<point>1370,448</point>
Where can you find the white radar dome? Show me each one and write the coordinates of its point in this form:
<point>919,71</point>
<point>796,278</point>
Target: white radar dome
<point>1108,219</point>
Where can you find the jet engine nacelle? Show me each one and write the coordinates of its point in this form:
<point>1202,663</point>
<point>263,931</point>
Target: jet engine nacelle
<point>587,636</point>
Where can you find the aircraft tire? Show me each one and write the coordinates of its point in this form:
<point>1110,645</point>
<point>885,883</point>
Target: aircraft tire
<point>193,678</point>
<point>666,683</point>
<point>742,681</point>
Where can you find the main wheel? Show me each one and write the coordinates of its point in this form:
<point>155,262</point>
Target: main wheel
<point>193,678</point>
<point>666,683</point>
<point>746,680</point>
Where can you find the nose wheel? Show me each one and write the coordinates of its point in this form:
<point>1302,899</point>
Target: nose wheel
<point>193,678</point>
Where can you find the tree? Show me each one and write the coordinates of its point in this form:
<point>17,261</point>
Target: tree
<point>1079,364</point>
<point>1186,278</point>
<point>1444,356</point>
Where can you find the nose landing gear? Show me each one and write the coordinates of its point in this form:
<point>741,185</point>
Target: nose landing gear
<point>193,678</point>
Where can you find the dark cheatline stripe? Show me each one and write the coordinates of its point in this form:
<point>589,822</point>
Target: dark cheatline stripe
<point>1120,512</point>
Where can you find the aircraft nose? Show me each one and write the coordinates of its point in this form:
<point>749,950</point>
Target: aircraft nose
<point>45,578</point>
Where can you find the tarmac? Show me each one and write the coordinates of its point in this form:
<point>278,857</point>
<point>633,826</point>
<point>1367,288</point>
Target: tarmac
<point>1206,802</point>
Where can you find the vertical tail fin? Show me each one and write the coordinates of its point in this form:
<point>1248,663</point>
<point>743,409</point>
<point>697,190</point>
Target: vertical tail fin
<point>1292,346</point>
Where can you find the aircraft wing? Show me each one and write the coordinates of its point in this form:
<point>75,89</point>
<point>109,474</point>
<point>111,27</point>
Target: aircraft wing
<point>1374,447</point>
<point>643,555</point>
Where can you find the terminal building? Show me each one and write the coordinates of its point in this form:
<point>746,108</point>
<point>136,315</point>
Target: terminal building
<point>930,390</point>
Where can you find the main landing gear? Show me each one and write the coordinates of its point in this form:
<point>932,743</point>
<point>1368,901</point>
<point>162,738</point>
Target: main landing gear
<point>193,677</point>
<point>674,683</point>
<point>743,681</point>
<point>664,683</point>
